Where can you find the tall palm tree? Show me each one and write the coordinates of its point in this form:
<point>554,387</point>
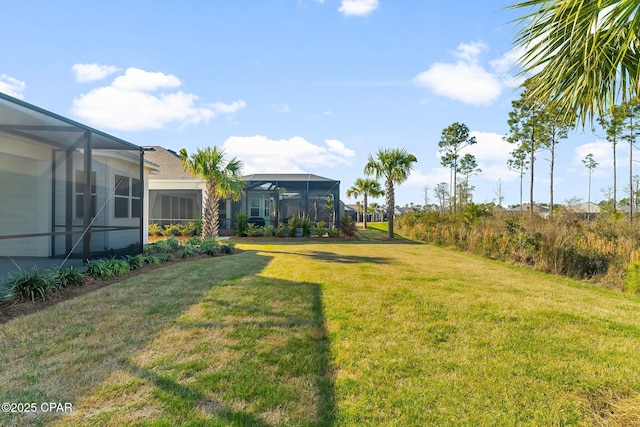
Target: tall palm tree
<point>365,187</point>
<point>222,180</point>
<point>395,165</point>
<point>584,53</point>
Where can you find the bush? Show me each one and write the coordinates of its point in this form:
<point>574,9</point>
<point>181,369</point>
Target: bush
<point>30,284</point>
<point>254,231</point>
<point>280,230</point>
<point>106,268</point>
<point>64,277</point>
<point>189,251</point>
<point>171,230</point>
<point>292,225</point>
<point>267,230</point>
<point>136,261</point>
<point>632,278</point>
<point>320,228</point>
<point>241,225</point>
<point>155,230</point>
<point>333,232</point>
<point>210,246</point>
<point>305,223</point>
<point>347,226</point>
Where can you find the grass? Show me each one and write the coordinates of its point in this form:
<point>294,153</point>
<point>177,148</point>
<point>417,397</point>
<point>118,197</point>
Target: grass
<point>368,332</point>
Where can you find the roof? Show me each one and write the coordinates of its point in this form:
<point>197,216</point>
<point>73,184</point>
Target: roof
<point>586,207</point>
<point>23,119</point>
<point>286,177</point>
<point>168,162</point>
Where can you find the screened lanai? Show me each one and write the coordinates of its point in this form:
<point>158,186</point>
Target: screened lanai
<point>269,199</point>
<point>67,190</point>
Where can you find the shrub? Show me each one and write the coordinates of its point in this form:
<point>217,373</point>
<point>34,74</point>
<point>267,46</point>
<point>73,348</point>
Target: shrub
<point>187,229</point>
<point>347,226</point>
<point>226,247</point>
<point>64,277</point>
<point>280,230</point>
<point>305,223</point>
<point>155,230</point>
<point>189,251</point>
<point>333,232</point>
<point>195,241</point>
<point>267,230</point>
<point>163,246</point>
<point>30,284</point>
<point>171,230</point>
<point>209,246</point>
<point>292,225</point>
<point>102,269</point>
<point>632,278</point>
<point>136,261</point>
<point>163,257</point>
<point>241,225</point>
<point>320,228</point>
<point>99,269</point>
<point>154,259</point>
<point>254,231</point>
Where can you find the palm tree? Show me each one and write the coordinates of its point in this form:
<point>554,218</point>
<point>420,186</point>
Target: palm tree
<point>395,165</point>
<point>584,53</point>
<point>222,180</point>
<point>365,187</point>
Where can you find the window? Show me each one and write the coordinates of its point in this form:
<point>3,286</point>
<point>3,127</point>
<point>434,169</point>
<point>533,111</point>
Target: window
<point>79,193</point>
<point>267,208</point>
<point>127,197</point>
<point>255,207</point>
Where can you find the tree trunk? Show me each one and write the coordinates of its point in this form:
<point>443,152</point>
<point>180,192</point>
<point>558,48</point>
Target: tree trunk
<point>391,204</point>
<point>553,161</point>
<point>211,213</point>
<point>364,216</point>
<point>614,177</point>
<point>532,159</point>
<point>521,179</point>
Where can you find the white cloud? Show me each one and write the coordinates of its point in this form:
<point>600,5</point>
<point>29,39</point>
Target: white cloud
<point>261,154</point>
<point>358,7</point>
<point>133,102</point>
<point>466,80</point>
<point>223,108</point>
<point>490,147</point>
<point>336,146</point>
<point>92,72</point>
<point>282,108</point>
<point>466,83</point>
<point>431,178</point>
<point>505,67</point>
<point>469,52</point>
<point>137,80</point>
<point>602,154</point>
<point>12,87</point>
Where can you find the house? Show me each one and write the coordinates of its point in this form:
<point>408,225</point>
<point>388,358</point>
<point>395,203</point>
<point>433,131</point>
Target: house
<point>68,190</point>
<point>542,211</point>
<point>586,210</point>
<point>273,198</point>
<point>175,196</point>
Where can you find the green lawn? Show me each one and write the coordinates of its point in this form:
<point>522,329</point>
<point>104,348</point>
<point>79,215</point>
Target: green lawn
<point>366,332</point>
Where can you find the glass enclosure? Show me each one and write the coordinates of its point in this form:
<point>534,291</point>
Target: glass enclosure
<point>68,190</point>
<point>273,198</point>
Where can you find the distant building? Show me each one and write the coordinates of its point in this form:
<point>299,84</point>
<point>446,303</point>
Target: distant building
<point>175,196</point>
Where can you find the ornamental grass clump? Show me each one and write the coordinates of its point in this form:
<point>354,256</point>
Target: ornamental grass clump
<point>30,284</point>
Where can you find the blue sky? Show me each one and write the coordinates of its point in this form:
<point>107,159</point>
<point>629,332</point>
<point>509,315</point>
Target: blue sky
<point>291,85</point>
